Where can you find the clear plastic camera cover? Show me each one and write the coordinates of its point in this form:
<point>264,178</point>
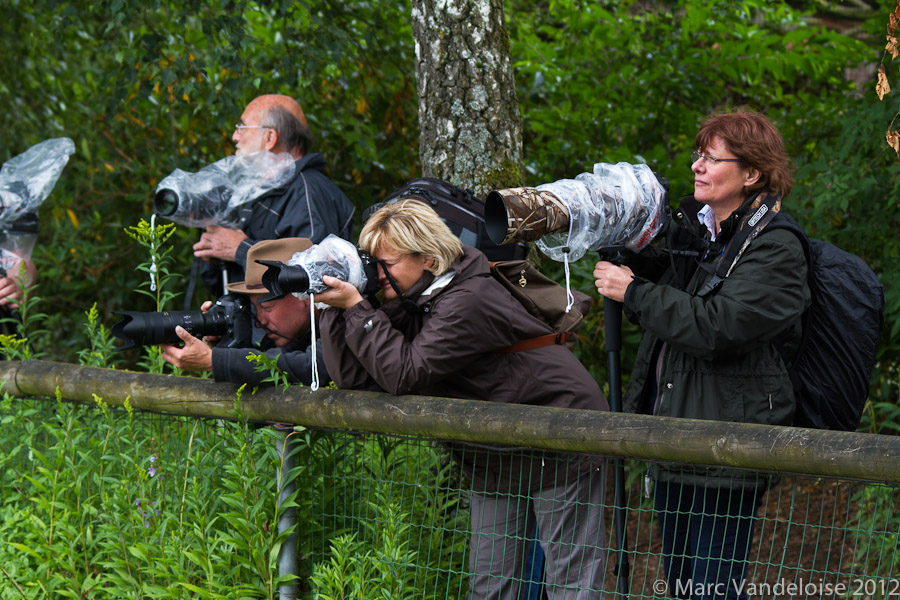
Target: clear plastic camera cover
<point>213,195</point>
<point>27,179</point>
<point>333,256</point>
<point>15,249</point>
<point>615,205</point>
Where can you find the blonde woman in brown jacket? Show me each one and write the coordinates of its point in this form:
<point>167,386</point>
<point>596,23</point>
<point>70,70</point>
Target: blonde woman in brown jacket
<point>442,331</point>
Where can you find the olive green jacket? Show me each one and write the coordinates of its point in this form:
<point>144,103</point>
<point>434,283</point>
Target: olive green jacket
<point>716,357</point>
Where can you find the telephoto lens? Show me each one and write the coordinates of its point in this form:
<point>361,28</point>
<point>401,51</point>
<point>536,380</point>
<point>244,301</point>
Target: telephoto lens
<point>195,208</point>
<point>230,318</point>
<point>150,328</point>
<point>215,194</point>
<point>281,279</point>
<point>302,275</point>
<point>613,206</point>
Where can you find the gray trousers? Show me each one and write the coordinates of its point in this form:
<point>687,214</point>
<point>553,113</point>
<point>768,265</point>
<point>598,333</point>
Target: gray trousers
<point>572,534</point>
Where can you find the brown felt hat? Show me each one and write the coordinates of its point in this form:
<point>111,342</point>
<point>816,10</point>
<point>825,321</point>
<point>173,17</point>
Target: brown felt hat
<point>281,250</point>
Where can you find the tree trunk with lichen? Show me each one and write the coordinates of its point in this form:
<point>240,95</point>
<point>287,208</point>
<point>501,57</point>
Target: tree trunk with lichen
<point>469,122</point>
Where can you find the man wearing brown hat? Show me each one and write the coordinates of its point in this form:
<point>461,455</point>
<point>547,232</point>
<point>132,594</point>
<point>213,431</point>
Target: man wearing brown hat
<point>310,205</point>
<point>286,322</point>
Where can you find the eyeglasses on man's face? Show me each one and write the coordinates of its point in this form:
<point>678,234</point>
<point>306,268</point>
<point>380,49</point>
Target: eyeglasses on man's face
<point>696,155</point>
<point>239,128</point>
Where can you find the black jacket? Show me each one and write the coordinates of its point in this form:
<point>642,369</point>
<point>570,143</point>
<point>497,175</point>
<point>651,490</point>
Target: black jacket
<point>718,357</point>
<point>295,360</point>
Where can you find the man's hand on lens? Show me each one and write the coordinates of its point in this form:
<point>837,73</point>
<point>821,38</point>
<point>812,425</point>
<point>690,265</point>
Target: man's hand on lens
<point>219,242</point>
<point>209,339</point>
<point>195,355</point>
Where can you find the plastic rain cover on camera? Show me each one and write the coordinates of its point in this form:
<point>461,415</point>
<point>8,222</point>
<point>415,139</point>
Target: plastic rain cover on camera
<point>616,205</point>
<point>27,179</point>
<point>15,249</point>
<point>333,256</point>
<point>226,185</point>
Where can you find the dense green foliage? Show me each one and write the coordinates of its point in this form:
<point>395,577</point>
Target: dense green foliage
<point>96,503</point>
<point>144,88</point>
<point>106,504</point>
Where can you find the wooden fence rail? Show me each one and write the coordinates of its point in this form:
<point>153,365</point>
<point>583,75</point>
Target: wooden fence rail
<point>786,449</point>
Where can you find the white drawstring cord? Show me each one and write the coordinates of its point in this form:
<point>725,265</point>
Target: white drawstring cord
<point>312,343</point>
<point>570,297</point>
<point>152,252</point>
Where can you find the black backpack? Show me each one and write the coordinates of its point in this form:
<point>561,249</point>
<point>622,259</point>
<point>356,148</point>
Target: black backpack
<point>461,210</point>
<point>841,328</point>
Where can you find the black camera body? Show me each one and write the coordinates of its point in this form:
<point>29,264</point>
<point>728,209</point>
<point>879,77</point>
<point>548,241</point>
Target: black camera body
<point>281,279</point>
<point>230,318</point>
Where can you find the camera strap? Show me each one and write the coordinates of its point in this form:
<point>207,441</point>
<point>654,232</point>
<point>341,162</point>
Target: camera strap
<point>314,377</point>
<point>760,213</point>
<point>405,302</point>
<point>192,283</point>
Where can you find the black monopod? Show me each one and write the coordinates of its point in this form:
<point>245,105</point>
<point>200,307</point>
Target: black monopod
<point>612,328</point>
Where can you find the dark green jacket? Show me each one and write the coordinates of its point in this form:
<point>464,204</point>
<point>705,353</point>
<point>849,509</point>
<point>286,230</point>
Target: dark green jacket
<point>716,357</point>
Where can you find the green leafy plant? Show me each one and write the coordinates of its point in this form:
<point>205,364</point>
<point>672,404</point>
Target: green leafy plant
<point>100,502</point>
<point>879,525</point>
<point>100,339</point>
<point>263,364</point>
<point>26,323</point>
<point>153,238</point>
<point>382,567</point>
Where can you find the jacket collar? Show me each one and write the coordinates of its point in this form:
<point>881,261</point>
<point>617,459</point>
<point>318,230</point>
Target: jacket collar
<point>314,160</point>
<point>727,227</point>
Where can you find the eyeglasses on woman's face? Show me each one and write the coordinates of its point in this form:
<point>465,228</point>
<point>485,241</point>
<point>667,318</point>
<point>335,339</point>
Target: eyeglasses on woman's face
<point>697,155</point>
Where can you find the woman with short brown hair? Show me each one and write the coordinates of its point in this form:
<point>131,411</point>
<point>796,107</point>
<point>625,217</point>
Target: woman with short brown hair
<point>715,347</point>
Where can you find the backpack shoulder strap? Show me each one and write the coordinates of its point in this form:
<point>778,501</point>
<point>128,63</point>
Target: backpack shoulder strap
<point>564,337</point>
<point>762,211</point>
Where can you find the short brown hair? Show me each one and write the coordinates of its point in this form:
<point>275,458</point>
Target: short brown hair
<point>751,137</point>
<point>410,226</point>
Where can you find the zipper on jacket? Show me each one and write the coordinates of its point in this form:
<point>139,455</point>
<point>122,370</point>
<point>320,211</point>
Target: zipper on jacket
<point>661,397</point>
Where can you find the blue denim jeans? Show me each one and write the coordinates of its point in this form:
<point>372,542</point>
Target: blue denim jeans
<point>706,536</point>
<point>533,587</point>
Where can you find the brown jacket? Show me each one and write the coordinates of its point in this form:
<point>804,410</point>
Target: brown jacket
<point>448,347</point>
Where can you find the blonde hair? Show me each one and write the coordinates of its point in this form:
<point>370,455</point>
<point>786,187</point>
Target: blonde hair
<point>410,226</point>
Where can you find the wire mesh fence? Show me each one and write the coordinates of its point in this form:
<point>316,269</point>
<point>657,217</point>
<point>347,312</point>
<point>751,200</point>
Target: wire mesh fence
<point>811,536</point>
<point>408,517</point>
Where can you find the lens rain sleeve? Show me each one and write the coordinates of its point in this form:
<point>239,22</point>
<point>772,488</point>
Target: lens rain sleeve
<point>27,179</point>
<point>333,256</point>
<point>615,205</point>
<point>214,194</point>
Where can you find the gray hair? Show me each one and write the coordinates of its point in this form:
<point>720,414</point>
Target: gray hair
<point>291,132</point>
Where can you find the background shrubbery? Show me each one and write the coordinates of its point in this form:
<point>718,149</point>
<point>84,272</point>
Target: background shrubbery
<point>145,87</point>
